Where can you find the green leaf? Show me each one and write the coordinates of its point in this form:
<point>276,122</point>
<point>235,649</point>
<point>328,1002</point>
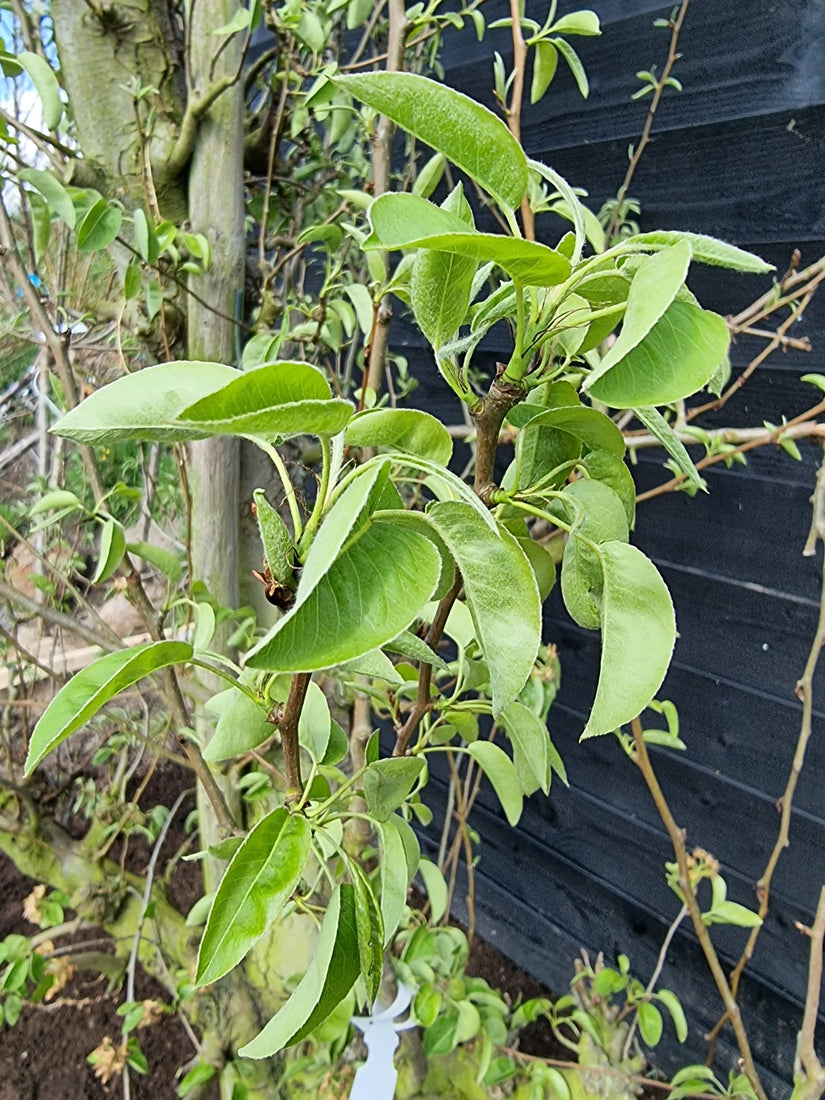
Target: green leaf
<point>112,549</point>
<point>498,767</point>
<point>53,192</point>
<point>531,758</point>
<point>99,227</point>
<point>574,64</point>
<point>545,63</point>
<point>405,221</point>
<point>242,725</point>
<point>501,592</point>
<point>410,645</point>
<point>41,224</point>
<point>373,590</point>
<point>408,430</point>
<point>146,241</point>
<point>164,560</point>
<point>429,176</point>
<point>132,281</point>
<point>370,928</point>
<point>144,405</point>
<point>731,912</point>
<point>394,876</point>
<point>440,289</point>
<point>54,500</point>
<point>330,977</point>
<point>239,22</point>
<point>281,399</point>
<point>661,429</point>
<point>707,250</point>
<point>275,537</point>
<point>83,696</point>
<point>650,1023</point>
<point>582,22</point>
<point>638,634</point>
<point>655,285</point>
<point>677,1014</point>
<point>592,427</point>
<point>387,783</point>
<point>315,724</point>
<point>196,1076</point>
<point>436,887</point>
<point>677,357</point>
<point>45,83</point>
<point>611,471</point>
<point>261,878</point>
<point>469,135</point>
<point>603,519</point>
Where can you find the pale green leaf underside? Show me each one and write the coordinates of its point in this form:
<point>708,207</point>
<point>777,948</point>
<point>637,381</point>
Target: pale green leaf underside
<point>674,360</point>
<point>406,221</point>
<point>409,430</point>
<point>638,634</point>
<point>654,286</point>
<point>280,399</point>
<point>260,879</point>
<point>531,753</point>
<point>709,250</point>
<point>45,81</point>
<point>83,696</point>
<point>661,429</point>
<point>469,135</point>
<point>592,427</point>
<point>372,591</point>
<point>144,405</point>
<point>501,592</point>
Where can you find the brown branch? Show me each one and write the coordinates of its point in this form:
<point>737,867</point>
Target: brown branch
<point>488,416</point>
<point>672,58</point>
<point>425,671</point>
<point>804,690</point>
<point>513,110</point>
<point>285,718</point>
<point>677,839</point>
<point>809,1074</point>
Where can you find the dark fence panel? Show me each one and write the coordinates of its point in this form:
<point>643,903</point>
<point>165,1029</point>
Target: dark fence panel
<point>739,154</point>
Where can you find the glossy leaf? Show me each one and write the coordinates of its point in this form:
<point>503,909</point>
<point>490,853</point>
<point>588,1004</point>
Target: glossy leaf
<point>638,628</point>
<point>655,285</point>
<point>53,192</point>
<point>370,929</point>
<point>281,399</point>
<point>661,429</point>
<point>592,427</point>
<point>84,695</point>
<point>394,878</point>
<point>330,977</point>
<point>650,1023</point>
<point>242,725</point>
<point>387,783</point>
<point>501,592</point>
<point>675,359</point>
<point>469,135</point>
<point>373,590</point>
<point>144,405</point>
<point>545,63</point>
<point>99,227</point>
<point>677,1013</point>
<point>498,767</point>
<point>582,22</point>
<point>406,221</point>
<point>258,882</point>
<point>112,549</point>
<point>707,250</point>
<point>45,82</point>
<point>408,430</point>
<point>531,758</point>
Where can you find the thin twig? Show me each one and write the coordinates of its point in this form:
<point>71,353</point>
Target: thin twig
<point>809,1074</point>
<point>513,109</point>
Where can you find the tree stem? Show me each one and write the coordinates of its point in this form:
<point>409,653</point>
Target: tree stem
<point>286,720</point>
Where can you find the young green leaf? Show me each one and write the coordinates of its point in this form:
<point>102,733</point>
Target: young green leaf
<point>545,63</point>
<point>84,695</point>
<point>436,887</point>
<point>638,634</point>
<point>675,359</point>
<point>408,430</point>
<point>603,519</point>
<point>405,221</point>
<point>707,250</point>
<point>112,549</point>
<point>654,286</point>
<point>498,767</point>
<point>45,83</point>
<point>387,783</point>
<point>315,723</point>
<point>582,22</point>
<point>144,405</point>
<point>281,399</point>
<point>53,192</point>
<point>501,593</point>
<point>394,876</point>
<point>372,591</point>
<point>370,928</point>
<point>677,1013</point>
<point>275,538</point>
<point>531,758</point>
<point>650,1023</point>
<point>242,725</point>
<point>255,887</point>
<point>330,977</point>
<point>99,227</point>
<point>611,471</point>
<point>593,428</point>
<point>469,135</point>
<point>661,429</point>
